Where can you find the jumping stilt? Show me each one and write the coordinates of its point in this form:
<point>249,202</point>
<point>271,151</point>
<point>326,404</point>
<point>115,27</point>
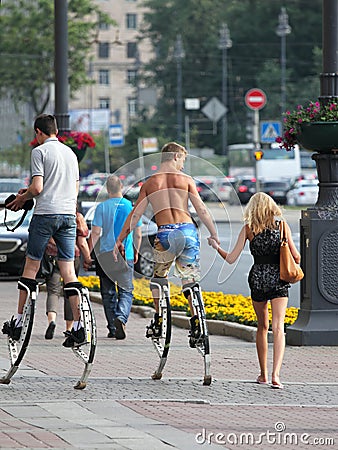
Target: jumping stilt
<point>86,351</point>
<point>17,348</point>
<point>201,340</point>
<point>160,333</point>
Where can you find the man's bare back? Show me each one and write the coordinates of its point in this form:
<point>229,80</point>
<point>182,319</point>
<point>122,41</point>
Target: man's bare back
<point>168,194</point>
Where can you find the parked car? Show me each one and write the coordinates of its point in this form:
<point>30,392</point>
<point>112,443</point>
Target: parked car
<point>13,244</point>
<point>10,186</point>
<point>276,189</point>
<point>145,263</point>
<point>303,192</point>
<point>206,189</point>
<point>243,190</point>
<point>223,186</point>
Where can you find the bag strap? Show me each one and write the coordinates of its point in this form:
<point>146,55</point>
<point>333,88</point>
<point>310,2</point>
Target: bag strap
<point>18,224</point>
<point>282,231</point>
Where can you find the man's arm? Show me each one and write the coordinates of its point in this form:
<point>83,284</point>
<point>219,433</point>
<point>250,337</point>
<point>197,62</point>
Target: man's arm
<point>32,191</point>
<point>131,221</point>
<point>94,237</point>
<point>137,238</point>
<point>202,212</point>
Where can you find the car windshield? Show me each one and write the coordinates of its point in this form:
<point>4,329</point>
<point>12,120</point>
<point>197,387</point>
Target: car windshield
<point>10,186</point>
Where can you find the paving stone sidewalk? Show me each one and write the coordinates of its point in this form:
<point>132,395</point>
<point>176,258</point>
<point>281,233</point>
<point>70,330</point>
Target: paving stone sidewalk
<point>123,408</point>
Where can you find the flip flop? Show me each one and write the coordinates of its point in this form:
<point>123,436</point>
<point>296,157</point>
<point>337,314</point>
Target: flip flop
<point>275,385</point>
<point>261,382</point>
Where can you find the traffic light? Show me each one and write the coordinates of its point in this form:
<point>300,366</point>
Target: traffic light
<point>258,155</point>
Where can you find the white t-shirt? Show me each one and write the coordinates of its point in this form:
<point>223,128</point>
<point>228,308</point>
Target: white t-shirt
<point>58,165</point>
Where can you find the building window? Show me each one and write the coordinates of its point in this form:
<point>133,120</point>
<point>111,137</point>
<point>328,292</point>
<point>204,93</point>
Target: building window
<point>104,76</point>
<point>131,21</point>
<point>132,107</point>
<point>131,50</point>
<point>104,103</point>
<point>103,26</point>
<point>131,76</point>
<point>104,50</point>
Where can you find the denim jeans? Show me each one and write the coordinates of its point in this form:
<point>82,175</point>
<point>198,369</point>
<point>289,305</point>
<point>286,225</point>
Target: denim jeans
<point>117,300</point>
<point>63,229</point>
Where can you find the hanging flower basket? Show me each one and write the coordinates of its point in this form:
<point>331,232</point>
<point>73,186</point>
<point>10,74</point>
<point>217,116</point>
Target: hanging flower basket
<point>78,141</point>
<point>314,127</point>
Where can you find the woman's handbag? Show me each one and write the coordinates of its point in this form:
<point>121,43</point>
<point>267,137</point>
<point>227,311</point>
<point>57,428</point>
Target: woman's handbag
<point>290,271</point>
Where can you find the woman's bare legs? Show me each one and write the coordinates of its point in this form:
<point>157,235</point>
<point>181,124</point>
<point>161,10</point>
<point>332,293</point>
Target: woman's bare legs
<point>261,310</point>
<point>278,306</point>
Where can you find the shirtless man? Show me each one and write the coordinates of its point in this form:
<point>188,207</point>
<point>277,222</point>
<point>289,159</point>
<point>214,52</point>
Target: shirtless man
<point>168,192</point>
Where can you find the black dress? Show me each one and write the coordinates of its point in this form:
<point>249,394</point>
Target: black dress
<point>264,280</point>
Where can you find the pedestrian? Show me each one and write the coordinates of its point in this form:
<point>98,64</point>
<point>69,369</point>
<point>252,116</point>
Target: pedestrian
<point>54,185</point>
<point>116,280</point>
<point>168,192</point>
<point>261,229</point>
<point>53,279</point>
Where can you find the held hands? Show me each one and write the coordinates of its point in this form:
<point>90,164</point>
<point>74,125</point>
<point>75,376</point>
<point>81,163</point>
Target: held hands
<point>213,243</point>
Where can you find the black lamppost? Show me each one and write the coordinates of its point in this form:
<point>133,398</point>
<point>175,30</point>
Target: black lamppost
<point>282,31</point>
<point>179,55</point>
<point>223,44</point>
<point>61,65</point>
<point>317,318</point>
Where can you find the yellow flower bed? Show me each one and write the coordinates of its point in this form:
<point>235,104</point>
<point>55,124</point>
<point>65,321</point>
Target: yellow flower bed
<point>220,306</point>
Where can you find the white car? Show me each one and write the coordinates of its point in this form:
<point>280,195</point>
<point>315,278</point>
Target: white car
<point>303,192</point>
<point>223,186</point>
<point>10,186</point>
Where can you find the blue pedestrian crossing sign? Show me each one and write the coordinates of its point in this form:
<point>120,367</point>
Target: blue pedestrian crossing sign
<point>269,131</point>
<point>116,136</point>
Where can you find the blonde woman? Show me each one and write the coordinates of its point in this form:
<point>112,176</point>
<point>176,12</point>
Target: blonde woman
<point>261,229</point>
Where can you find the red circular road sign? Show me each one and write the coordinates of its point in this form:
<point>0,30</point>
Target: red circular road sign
<point>255,99</point>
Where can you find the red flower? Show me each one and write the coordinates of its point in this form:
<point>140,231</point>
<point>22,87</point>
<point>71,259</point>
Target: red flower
<point>74,139</point>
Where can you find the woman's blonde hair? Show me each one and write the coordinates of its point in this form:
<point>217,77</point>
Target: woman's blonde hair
<point>261,212</point>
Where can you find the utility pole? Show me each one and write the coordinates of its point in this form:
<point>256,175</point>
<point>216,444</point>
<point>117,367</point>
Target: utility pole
<point>224,44</point>
<point>282,31</point>
<point>179,55</point>
<point>61,65</point>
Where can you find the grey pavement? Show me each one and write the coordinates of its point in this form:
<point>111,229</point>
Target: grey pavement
<point>123,408</point>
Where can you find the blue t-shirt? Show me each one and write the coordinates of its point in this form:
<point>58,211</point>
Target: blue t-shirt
<point>110,215</point>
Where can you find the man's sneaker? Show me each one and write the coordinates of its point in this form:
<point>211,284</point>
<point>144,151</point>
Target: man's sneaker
<point>11,330</point>
<point>195,331</point>
<point>50,330</point>
<point>111,334</point>
<point>74,338</point>
<point>120,329</point>
<point>154,330</point>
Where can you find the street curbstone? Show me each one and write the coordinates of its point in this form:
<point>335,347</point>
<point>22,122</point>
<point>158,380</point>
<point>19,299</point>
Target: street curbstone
<point>179,319</point>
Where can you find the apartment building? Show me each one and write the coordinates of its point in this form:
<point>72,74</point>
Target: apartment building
<point>116,58</point>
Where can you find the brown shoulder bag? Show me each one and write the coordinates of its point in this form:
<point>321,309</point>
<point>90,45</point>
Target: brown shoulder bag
<point>290,271</point>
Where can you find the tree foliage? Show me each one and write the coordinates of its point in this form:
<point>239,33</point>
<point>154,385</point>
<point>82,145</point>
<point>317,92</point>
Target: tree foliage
<point>27,47</point>
<point>254,59</point>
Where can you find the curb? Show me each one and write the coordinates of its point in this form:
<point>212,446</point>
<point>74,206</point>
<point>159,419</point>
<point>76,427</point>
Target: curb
<point>217,327</point>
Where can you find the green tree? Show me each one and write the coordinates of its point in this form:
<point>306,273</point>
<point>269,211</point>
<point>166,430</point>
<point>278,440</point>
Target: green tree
<point>253,59</point>
<point>27,47</point>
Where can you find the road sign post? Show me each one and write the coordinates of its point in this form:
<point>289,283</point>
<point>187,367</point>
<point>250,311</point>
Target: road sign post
<point>255,99</point>
<point>116,137</point>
